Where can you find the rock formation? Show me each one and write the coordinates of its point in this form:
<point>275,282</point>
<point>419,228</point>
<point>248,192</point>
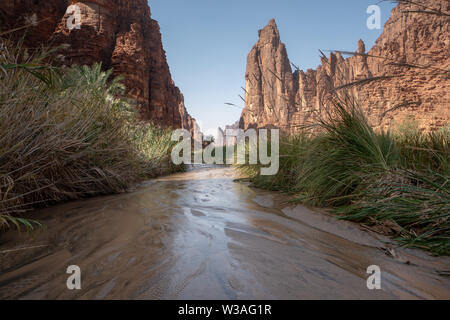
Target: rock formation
<point>277,96</point>
<point>118,33</point>
<point>227,136</point>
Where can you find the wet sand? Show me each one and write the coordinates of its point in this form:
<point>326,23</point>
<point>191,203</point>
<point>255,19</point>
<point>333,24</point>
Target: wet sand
<point>200,235</point>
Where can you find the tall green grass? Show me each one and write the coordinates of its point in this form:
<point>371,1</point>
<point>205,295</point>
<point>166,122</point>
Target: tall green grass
<point>400,180</point>
<point>66,133</point>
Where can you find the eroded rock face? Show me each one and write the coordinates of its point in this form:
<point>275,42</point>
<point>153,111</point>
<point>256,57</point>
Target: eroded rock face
<point>268,81</point>
<point>276,96</point>
<point>118,33</point>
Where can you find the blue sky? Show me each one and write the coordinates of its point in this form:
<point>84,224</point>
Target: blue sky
<point>207,43</point>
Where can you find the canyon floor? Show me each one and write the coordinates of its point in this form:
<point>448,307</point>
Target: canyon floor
<point>202,235</point>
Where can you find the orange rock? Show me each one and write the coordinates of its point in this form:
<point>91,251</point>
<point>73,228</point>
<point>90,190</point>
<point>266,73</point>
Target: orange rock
<point>118,33</point>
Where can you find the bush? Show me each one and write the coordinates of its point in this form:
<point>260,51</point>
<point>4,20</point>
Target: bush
<point>65,134</point>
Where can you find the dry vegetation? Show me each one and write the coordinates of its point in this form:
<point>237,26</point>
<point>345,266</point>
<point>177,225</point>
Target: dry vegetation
<point>65,134</point>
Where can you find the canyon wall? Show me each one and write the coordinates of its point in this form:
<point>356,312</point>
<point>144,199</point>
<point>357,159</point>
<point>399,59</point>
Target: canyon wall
<point>119,33</point>
<point>396,92</point>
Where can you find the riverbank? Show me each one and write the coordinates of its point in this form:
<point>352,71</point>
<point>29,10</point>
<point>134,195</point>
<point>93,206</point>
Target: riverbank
<point>200,235</point>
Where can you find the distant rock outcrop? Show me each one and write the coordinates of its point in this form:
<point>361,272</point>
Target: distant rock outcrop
<point>227,136</point>
<point>118,33</point>
<point>276,96</point>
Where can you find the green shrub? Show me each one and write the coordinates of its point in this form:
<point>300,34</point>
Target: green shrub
<point>66,134</point>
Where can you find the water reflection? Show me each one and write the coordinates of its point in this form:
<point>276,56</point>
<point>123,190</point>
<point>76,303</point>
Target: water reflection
<point>199,235</point>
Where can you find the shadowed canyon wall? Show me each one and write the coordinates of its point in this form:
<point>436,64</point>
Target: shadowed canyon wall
<point>119,33</point>
<point>277,96</point>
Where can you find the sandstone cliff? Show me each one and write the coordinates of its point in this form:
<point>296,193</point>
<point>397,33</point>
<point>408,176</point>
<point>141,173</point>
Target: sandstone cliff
<point>227,136</point>
<point>118,33</point>
<point>277,96</point>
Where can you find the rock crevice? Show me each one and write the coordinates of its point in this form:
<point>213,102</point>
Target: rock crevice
<point>276,96</point>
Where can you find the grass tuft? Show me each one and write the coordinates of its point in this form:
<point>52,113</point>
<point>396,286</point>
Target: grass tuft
<point>400,181</point>
<point>66,133</point>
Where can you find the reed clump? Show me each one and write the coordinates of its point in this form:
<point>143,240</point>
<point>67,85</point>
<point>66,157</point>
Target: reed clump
<point>66,133</point>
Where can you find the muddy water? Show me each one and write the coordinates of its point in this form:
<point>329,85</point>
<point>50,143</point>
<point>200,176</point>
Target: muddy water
<point>199,235</point>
